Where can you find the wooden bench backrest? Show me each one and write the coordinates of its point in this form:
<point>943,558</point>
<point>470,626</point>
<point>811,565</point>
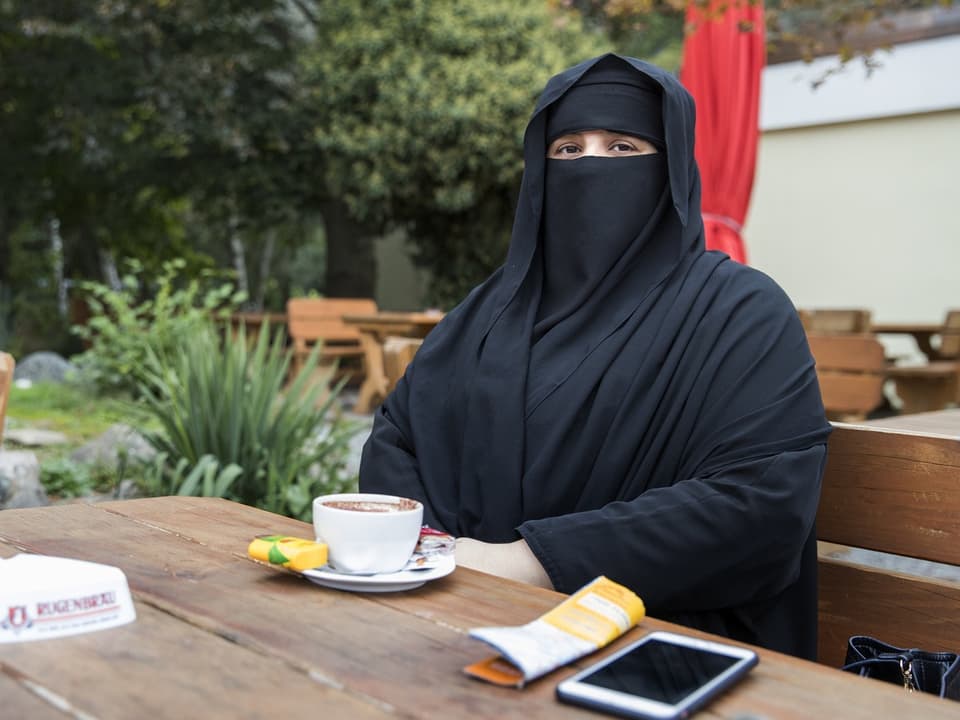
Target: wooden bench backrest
<point>851,370</point>
<point>7,365</point>
<point>313,319</point>
<point>890,491</point>
<point>893,492</point>
<point>836,320</point>
<point>950,342</point>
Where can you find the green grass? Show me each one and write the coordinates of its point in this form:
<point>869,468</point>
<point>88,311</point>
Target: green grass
<point>81,416</point>
<point>73,411</point>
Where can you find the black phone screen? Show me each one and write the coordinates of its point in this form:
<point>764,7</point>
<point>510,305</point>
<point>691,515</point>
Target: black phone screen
<point>661,671</point>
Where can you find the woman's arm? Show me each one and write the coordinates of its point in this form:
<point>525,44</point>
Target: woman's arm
<point>703,543</point>
<point>512,560</point>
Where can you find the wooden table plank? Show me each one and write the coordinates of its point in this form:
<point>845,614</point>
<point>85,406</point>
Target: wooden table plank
<point>19,702</point>
<point>161,667</point>
<point>348,639</point>
<point>476,601</point>
<point>404,651</point>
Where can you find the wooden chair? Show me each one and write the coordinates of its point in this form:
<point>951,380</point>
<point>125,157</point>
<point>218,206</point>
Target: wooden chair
<point>7,364</point>
<point>922,388</point>
<point>889,492</point>
<point>313,320</point>
<point>851,370</point>
<point>950,340</point>
<point>397,354</point>
<point>836,320</point>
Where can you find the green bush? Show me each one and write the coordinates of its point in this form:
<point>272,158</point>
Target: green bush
<point>124,324</point>
<point>63,478</point>
<point>207,478</point>
<point>217,395</point>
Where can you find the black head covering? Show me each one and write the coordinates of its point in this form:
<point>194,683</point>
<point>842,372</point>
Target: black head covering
<point>611,95</point>
<point>664,429</point>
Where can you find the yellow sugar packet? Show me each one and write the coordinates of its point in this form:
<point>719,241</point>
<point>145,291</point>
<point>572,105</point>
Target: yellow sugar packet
<point>592,617</point>
<point>292,553</point>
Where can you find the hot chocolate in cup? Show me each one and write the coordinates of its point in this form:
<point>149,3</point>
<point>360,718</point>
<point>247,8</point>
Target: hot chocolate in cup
<point>367,532</point>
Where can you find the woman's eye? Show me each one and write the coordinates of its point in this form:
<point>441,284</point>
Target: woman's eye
<point>623,147</point>
<point>567,150</point>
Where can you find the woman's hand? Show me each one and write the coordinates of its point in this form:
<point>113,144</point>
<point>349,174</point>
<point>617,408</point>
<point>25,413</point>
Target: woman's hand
<point>512,560</point>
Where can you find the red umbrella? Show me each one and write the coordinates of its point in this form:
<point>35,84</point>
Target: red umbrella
<point>723,56</point>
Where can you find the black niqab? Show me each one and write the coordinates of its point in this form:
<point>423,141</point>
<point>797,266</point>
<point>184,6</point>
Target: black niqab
<point>599,213</point>
<point>665,429</point>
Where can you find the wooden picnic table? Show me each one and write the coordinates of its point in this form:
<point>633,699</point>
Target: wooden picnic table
<point>220,636</point>
<point>922,333</point>
<point>374,329</point>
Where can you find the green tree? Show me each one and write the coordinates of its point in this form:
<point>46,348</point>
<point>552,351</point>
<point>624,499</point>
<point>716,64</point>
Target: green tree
<point>654,29</point>
<point>421,110</point>
<point>128,120</point>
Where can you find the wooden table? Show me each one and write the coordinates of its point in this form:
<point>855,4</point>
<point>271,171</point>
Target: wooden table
<point>254,322</point>
<point>374,330</point>
<point>220,636</point>
<point>922,333</point>
<point>939,422</point>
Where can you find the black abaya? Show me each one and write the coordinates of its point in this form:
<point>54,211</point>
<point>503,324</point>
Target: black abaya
<point>665,430</point>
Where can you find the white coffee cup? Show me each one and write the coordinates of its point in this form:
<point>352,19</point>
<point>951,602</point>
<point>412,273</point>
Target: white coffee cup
<point>367,532</point>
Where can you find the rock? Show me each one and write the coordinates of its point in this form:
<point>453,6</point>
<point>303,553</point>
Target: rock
<point>43,367</point>
<point>20,481</point>
<point>33,437</point>
<point>105,449</point>
<point>127,490</point>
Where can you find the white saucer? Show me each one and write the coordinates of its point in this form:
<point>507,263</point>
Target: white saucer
<point>386,582</point>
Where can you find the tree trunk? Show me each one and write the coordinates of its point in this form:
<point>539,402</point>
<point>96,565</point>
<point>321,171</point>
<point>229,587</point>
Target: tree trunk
<point>238,250</point>
<point>108,268</point>
<point>351,263</point>
<point>7,224</point>
<point>56,253</point>
<point>266,259</point>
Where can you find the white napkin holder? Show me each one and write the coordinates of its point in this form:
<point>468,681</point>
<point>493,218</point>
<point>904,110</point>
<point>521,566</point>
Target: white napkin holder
<point>44,597</point>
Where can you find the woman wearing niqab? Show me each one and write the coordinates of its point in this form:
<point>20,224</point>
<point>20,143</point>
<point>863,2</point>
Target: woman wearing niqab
<point>615,399</point>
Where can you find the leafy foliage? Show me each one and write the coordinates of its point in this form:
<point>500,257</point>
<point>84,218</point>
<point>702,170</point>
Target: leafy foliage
<point>654,29</point>
<point>420,115</point>
<point>130,119</point>
<point>220,397</point>
<point>206,478</point>
<point>141,316</point>
<point>63,478</point>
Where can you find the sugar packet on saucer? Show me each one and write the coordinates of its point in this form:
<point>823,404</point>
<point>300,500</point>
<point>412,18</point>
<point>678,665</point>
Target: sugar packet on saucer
<point>591,618</point>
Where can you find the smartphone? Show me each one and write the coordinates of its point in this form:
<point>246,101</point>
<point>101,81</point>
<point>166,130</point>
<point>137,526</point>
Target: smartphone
<point>662,676</point>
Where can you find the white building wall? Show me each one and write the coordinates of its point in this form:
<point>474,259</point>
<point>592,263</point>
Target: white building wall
<point>857,195</point>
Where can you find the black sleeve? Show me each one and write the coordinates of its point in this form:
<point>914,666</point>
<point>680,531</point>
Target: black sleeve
<point>389,461</point>
<point>703,543</point>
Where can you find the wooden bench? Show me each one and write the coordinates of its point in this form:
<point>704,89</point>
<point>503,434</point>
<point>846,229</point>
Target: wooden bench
<point>851,370</point>
<point>889,492</point>
<point>832,321</point>
<point>7,365</point>
<point>398,352</point>
<point>320,320</point>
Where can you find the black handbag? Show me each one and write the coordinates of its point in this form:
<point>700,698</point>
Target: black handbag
<point>937,673</point>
